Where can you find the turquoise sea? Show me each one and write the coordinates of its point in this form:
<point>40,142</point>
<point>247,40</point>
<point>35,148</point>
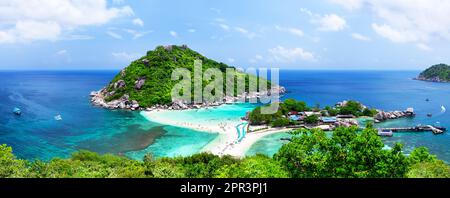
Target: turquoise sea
<point>45,94</point>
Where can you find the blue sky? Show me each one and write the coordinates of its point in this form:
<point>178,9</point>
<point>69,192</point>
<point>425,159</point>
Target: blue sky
<point>313,35</point>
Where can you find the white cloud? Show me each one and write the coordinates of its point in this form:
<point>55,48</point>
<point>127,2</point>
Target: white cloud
<point>192,30</point>
<point>220,20</point>
<point>30,20</point>
<point>349,4</point>
<point>216,10</point>
<point>293,31</point>
<point>397,36</point>
<point>138,22</point>
<point>173,34</point>
<point>315,39</point>
<point>245,32</point>
<point>61,52</point>
<point>403,21</point>
<point>327,22</point>
<point>114,35</point>
<point>125,56</point>
<point>230,60</point>
<point>331,23</point>
<point>256,58</point>
<point>307,12</point>
<point>424,47</point>
<point>230,28</point>
<point>224,27</point>
<point>76,37</point>
<point>286,55</point>
<point>360,37</point>
<point>118,2</point>
<point>137,34</point>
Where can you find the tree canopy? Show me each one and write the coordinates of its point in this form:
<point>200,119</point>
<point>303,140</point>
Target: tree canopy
<point>347,153</point>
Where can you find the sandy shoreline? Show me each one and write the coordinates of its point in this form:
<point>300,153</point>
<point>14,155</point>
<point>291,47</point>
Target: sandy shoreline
<point>225,143</point>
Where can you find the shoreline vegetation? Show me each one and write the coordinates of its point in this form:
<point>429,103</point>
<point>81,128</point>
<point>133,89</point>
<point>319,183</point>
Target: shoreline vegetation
<point>296,114</point>
<point>347,153</point>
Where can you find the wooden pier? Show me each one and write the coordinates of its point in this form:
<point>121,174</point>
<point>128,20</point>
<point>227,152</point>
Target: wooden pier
<point>427,128</point>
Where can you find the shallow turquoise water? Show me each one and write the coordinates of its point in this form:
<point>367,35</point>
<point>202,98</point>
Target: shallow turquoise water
<point>268,145</point>
<point>175,142</point>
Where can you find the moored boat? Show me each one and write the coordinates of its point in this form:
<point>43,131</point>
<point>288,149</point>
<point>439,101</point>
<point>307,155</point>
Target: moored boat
<point>17,111</point>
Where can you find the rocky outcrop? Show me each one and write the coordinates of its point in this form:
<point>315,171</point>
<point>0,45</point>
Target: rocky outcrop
<point>346,123</point>
<point>119,84</point>
<point>146,62</point>
<point>139,83</point>
<point>391,115</point>
<point>98,98</point>
<point>432,79</point>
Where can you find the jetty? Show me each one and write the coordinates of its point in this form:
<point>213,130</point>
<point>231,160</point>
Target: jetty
<point>426,128</point>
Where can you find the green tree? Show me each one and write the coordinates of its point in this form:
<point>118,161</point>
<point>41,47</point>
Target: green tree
<point>312,119</point>
<point>351,108</point>
<point>369,112</point>
<point>9,165</point>
<point>421,155</point>
<point>203,165</point>
<point>437,169</point>
<point>259,166</point>
<point>347,153</point>
<point>294,105</point>
<point>281,122</point>
<point>331,111</point>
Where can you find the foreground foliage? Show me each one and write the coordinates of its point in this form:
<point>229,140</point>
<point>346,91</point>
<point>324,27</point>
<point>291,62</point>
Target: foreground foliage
<point>347,153</point>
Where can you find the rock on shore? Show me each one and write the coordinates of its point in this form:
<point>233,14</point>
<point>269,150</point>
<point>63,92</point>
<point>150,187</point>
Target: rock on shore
<point>98,98</point>
<point>391,115</point>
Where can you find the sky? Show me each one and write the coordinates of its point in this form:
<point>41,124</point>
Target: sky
<point>289,34</point>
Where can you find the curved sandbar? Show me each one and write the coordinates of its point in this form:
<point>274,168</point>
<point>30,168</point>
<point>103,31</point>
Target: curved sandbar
<point>223,120</point>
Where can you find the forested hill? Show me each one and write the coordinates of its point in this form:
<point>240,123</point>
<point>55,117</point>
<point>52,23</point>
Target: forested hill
<point>147,82</point>
<point>436,73</point>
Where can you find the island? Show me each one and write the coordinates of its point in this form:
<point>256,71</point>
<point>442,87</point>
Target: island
<point>147,84</point>
<point>436,73</point>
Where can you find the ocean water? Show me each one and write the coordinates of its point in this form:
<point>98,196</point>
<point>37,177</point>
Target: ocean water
<point>387,90</point>
<point>43,95</point>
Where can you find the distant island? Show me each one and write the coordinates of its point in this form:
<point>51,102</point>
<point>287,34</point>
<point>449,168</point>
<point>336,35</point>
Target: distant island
<point>146,83</point>
<point>436,73</point>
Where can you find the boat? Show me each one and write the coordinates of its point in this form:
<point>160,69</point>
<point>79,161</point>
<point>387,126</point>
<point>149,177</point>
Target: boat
<point>385,132</point>
<point>430,115</point>
<point>58,118</point>
<point>443,109</point>
<point>428,100</point>
<point>17,111</point>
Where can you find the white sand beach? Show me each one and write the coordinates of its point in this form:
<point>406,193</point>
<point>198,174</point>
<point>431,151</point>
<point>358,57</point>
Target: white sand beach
<point>226,143</point>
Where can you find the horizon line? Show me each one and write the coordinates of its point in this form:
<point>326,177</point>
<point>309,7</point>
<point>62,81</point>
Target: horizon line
<point>281,69</point>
